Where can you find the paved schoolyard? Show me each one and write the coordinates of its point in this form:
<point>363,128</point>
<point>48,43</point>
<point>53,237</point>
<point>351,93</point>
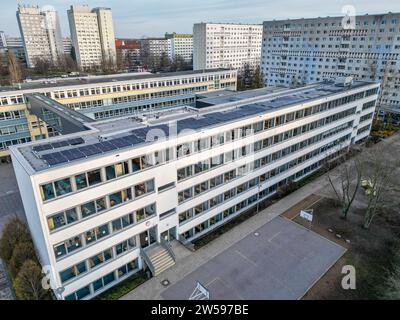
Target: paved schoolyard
<point>282,262</point>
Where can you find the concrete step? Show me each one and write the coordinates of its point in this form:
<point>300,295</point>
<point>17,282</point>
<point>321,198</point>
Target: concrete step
<point>159,257</point>
<point>162,262</point>
<point>153,254</point>
<point>164,267</point>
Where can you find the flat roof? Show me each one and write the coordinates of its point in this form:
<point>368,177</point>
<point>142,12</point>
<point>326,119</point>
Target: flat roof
<point>49,83</point>
<point>225,96</point>
<point>112,136</point>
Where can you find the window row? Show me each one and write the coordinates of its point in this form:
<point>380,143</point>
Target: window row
<point>108,279</point>
<point>97,260</point>
<point>248,203</point>
<point>221,198</point>
<point>192,170</point>
<point>232,174</point>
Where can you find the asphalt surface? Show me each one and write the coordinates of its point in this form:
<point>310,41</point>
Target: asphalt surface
<point>281,262</point>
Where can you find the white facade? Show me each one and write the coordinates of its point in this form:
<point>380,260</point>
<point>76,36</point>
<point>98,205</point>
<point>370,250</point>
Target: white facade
<point>41,34</point>
<point>180,45</point>
<point>92,36</point>
<point>303,51</point>
<point>90,217</point>
<point>217,45</point>
<point>107,38</point>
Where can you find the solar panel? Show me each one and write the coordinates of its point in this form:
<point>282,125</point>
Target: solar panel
<point>76,141</point>
<point>42,147</point>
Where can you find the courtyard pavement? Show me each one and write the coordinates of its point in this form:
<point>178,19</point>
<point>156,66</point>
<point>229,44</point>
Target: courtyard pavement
<point>188,262</point>
<point>281,260</point>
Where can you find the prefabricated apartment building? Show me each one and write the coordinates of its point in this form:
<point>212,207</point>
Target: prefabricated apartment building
<point>98,202</point>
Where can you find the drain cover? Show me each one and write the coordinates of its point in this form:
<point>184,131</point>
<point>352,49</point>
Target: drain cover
<point>165,282</point>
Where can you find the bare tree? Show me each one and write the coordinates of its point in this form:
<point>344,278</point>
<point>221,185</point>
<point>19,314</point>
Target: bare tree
<point>14,68</point>
<point>349,182</point>
<point>28,283</point>
<point>380,182</point>
<point>42,66</point>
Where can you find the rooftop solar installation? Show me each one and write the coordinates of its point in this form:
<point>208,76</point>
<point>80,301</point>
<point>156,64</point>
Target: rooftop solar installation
<point>68,150</point>
<point>58,144</point>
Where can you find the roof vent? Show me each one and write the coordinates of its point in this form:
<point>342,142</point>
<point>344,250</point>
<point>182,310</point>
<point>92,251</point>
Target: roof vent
<point>344,81</point>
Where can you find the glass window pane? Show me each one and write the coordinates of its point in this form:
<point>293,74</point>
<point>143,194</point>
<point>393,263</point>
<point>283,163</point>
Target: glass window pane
<point>150,186</point>
<point>102,231</point>
<point>140,189</point>
<point>72,216</point>
<point>122,271</point>
<point>108,254</point>
<point>94,177</point>
<point>81,293</point>
<point>136,164</point>
<point>115,199</point>
<point>98,284</point>
<point>132,265</point>
<point>109,278</point>
<point>100,204</point>
<point>60,250</point>
<point>73,244</point>
<point>110,172</point>
<point>63,187</point>
<point>90,236</point>
<point>81,182</point>
<point>88,209</point>
<point>47,191</point>
<point>56,221</point>
<point>116,225</point>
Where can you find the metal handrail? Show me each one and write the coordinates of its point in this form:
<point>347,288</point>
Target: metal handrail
<point>168,247</point>
<point>148,261</point>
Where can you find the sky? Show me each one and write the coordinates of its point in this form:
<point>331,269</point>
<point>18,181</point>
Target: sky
<point>139,18</point>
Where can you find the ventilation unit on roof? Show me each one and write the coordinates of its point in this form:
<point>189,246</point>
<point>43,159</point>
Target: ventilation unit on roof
<point>344,81</point>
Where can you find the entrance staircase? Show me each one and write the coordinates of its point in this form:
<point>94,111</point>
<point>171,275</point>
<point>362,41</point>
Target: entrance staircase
<point>159,257</point>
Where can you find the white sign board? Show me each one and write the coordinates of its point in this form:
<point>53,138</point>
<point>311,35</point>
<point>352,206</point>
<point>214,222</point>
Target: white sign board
<point>306,215</point>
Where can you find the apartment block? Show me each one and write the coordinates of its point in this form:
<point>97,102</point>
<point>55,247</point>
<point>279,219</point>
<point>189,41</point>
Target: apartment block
<point>180,45</point>
<point>218,45</point>
<point>107,202</point>
<point>153,49</point>
<point>303,51</point>
<point>92,35</point>
<point>41,35</point>
<point>104,97</point>
<point>128,53</point>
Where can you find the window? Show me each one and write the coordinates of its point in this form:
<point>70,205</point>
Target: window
<point>94,177</point>
<point>62,187</point>
<point>144,187</point>
<point>47,191</point>
<point>73,272</point>
<point>120,197</point>
<point>81,181</point>
<point>146,212</point>
<point>61,219</point>
<point>68,246</point>
<point>100,258</point>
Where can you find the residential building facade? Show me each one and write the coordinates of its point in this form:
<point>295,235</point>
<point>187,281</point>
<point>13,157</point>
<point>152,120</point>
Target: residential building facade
<point>104,97</point>
<point>92,36</point>
<point>153,49</point>
<point>218,45</point>
<point>302,51</point>
<point>180,45</point>
<point>128,53</point>
<point>99,202</point>
<point>41,35</point>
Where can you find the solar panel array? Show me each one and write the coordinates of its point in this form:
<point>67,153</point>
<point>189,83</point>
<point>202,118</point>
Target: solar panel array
<point>58,144</point>
<point>142,135</point>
